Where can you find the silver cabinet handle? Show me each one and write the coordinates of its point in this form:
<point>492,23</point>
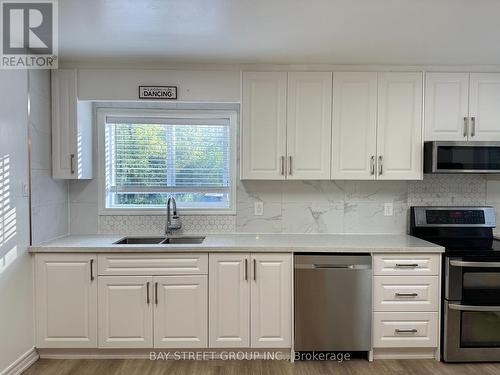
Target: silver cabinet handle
<point>459,307</point>
<point>372,165</point>
<point>92,270</point>
<point>254,270</point>
<point>405,330</point>
<point>147,293</point>
<point>380,165</point>
<point>466,126</point>
<point>473,126</point>
<point>402,265</point>
<point>246,269</point>
<point>156,293</point>
<point>72,163</point>
<point>282,165</point>
<point>460,263</point>
<point>290,165</point>
<point>410,295</point>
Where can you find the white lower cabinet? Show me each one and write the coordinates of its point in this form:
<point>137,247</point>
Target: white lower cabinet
<point>66,301</point>
<point>406,302</point>
<point>250,300</point>
<point>271,301</point>
<point>130,304</point>
<point>125,312</point>
<point>180,313</point>
<point>229,312</point>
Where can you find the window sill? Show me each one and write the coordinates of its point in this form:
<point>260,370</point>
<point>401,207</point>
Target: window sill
<point>163,212</point>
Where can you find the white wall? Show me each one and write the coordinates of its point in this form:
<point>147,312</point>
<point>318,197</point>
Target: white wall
<point>49,203</point>
<point>193,85</point>
<point>16,295</point>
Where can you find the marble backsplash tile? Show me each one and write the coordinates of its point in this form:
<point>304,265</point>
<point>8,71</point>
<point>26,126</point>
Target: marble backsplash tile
<point>318,206</point>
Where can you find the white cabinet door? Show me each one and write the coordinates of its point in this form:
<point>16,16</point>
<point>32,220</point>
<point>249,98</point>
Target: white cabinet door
<point>229,312</point>
<point>309,124</point>
<point>66,301</point>
<point>71,128</point>
<point>271,292</point>
<point>446,106</point>
<point>181,310</point>
<point>354,132</point>
<point>484,108</point>
<point>263,131</point>
<point>399,129</point>
<point>125,312</point>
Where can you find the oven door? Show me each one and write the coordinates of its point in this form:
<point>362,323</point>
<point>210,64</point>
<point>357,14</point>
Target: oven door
<point>462,157</point>
<point>472,281</point>
<point>471,332</point>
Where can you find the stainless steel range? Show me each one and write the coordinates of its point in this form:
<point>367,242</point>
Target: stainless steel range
<point>471,279</point>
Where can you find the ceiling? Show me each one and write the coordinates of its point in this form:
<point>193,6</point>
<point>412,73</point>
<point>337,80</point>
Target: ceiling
<point>429,32</point>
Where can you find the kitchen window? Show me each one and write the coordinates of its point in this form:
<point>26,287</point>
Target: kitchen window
<point>147,156</point>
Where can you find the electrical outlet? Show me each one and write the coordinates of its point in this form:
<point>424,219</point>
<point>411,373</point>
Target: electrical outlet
<point>258,208</point>
<point>388,209</point>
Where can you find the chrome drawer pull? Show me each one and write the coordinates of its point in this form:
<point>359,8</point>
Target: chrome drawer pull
<point>405,330</point>
<point>414,265</point>
<point>411,295</point>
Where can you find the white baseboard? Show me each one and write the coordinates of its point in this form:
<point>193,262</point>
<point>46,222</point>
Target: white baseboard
<point>404,353</point>
<point>22,363</point>
<point>145,353</point>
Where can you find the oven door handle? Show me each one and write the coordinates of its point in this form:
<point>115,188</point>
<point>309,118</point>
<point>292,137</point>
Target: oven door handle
<point>461,263</point>
<point>457,306</point>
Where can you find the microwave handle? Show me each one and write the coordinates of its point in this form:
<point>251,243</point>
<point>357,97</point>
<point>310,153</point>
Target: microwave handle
<point>461,263</point>
<point>460,307</point>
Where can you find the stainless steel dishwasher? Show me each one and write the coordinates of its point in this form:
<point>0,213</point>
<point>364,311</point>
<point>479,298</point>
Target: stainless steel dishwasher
<point>333,302</point>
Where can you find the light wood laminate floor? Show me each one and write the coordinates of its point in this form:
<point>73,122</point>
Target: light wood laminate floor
<point>354,367</point>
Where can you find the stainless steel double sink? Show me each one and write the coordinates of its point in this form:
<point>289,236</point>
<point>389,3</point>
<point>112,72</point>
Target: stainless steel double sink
<point>181,240</point>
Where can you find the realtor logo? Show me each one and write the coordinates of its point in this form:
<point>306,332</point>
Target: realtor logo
<point>29,34</point>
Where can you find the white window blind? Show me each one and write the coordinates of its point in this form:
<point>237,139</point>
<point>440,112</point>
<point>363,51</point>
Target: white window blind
<point>149,159</point>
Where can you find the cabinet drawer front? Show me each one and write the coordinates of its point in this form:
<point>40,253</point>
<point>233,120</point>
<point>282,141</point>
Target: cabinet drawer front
<point>405,293</point>
<point>153,264</point>
<point>402,264</point>
<point>405,329</point>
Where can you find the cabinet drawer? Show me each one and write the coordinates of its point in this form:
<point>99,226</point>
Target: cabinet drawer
<point>405,329</point>
<point>403,264</point>
<point>405,293</point>
<point>153,264</point>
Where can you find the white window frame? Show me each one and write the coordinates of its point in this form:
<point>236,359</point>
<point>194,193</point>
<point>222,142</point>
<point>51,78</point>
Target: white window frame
<point>101,115</point>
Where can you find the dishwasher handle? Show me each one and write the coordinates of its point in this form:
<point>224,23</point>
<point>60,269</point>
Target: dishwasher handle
<point>318,266</point>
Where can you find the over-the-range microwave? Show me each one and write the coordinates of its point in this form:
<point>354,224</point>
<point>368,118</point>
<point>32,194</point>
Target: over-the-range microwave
<point>461,157</point>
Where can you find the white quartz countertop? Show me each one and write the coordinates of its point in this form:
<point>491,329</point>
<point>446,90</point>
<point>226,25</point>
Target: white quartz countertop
<point>335,243</point>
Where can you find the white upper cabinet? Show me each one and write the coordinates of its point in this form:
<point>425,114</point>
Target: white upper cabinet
<point>286,125</point>
<point>309,114</point>
<point>484,107</point>
<point>71,128</point>
<point>399,130</point>
<point>263,131</point>
<point>462,106</point>
<point>66,301</point>
<point>354,131</point>
<point>446,106</point>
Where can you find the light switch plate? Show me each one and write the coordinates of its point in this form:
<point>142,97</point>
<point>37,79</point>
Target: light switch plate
<point>388,209</point>
<point>258,208</point>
